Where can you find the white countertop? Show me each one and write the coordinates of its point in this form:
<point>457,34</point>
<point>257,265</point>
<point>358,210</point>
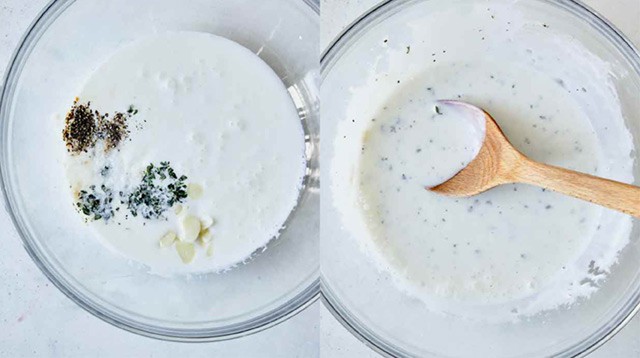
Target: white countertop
<point>36,320</point>
<point>335,340</point>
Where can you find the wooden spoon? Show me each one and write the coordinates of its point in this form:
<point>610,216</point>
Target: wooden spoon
<point>498,162</point>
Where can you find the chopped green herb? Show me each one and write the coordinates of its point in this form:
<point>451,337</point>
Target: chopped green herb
<point>159,190</point>
<point>96,203</point>
<point>132,110</point>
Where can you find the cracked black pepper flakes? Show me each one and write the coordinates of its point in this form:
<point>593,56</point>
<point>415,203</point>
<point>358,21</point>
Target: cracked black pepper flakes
<point>84,127</point>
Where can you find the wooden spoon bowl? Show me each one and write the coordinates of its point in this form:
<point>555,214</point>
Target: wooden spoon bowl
<point>498,162</point>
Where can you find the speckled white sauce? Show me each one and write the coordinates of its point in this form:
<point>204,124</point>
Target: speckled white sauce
<point>516,246</point>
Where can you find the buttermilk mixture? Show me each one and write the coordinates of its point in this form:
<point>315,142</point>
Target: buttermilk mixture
<point>487,244</point>
<point>186,153</point>
<point>520,246</point>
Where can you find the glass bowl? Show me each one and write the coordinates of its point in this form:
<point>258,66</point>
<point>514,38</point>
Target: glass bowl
<point>365,299</point>
<point>67,41</point>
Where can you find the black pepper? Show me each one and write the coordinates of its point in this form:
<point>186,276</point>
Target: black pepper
<point>84,127</point>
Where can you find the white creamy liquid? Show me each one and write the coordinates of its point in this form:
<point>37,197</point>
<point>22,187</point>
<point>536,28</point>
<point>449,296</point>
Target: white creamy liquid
<point>486,246</point>
<point>516,246</point>
<point>220,116</point>
<point>460,134</point>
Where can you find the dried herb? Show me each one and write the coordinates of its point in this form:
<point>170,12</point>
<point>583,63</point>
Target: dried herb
<point>96,204</point>
<point>132,110</point>
<point>159,190</point>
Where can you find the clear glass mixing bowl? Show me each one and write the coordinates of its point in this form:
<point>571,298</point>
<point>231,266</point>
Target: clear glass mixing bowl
<point>64,45</point>
<point>367,301</point>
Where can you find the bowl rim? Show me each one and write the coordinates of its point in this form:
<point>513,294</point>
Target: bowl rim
<point>342,314</point>
<point>303,299</point>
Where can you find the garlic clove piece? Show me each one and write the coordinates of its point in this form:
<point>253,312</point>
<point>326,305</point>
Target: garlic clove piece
<point>204,237</point>
<point>168,239</point>
<point>194,191</point>
<point>207,221</point>
<point>186,251</point>
<point>190,228</point>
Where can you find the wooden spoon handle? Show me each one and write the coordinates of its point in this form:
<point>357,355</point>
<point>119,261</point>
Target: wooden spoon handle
<point>605,192</point>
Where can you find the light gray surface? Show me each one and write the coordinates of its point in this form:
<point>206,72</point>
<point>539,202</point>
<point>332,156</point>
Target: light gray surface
<point>36,320</point>
<point>335,340</point>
